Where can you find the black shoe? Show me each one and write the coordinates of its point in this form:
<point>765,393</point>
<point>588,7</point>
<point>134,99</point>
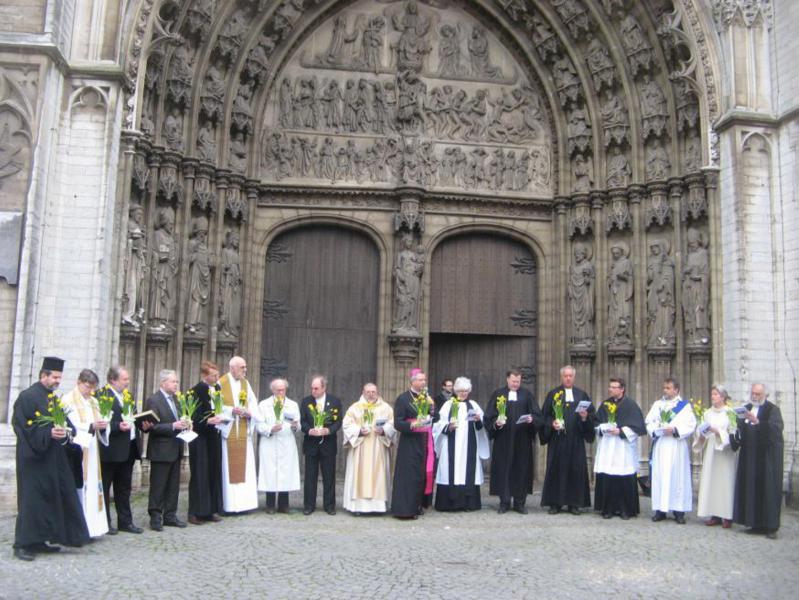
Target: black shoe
<point>606,515</point>
<point>175,523</point>
<point>331,511</point>
<point>196,520</point>
<point>521,509</point>
<point>131,529</point>
<point>420,512</point>
<point>270,510</point>
<point>284,511</point>
<point>754,531</point>
<point>680,518</point>
<point>214,518</point>
<point>624,516</point>
<point>44,548</point>
<point>575,510</point>
<point>24,554</point>
<point>772,535</point>
<point>112,530</point>
<point>307,511</point>
<point>658,516</point>
<point>553,510</point>
<point>502,509</point>
<point>156,526</point>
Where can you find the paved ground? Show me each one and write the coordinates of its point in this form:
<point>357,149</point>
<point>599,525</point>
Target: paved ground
<point>468,555</point>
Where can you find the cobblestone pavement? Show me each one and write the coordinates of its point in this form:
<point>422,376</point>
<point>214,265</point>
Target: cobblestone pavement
<point>465,555</point>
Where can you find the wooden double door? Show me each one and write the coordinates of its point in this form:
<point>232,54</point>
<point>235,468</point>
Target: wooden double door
<point>483,311</point>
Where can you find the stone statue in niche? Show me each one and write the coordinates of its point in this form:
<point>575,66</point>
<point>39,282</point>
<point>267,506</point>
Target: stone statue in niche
<point>619,170</point>
<point>412,47</point>
<point>540,167</point>
<point>632,36</point>
<point>173,130</point>
<point>408,287</point>
<point>658,163</point>
<point>213,95</point>
<point>135,268</point>
<point>164,268</point>
<point>620,296</point>
<point>371,44</point>
<point>696,289</point>
<point>180,77</point>
<point>199,276</point>
<point>230,286</point>
<point>479,57</point>
<point>449,51</point>
<point>206,142</point>
<point>238,153</point>
<point>615,121</point>
<point>660,301</point>
<point>600,64</point>
<point>582,278</point>
<point>653,100</point>
<point>692,155</point>
<point>583,171</point>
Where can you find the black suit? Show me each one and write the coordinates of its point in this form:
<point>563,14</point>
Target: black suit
<point>164,450</point>
<point>320,450</point>
<point>117,463</point>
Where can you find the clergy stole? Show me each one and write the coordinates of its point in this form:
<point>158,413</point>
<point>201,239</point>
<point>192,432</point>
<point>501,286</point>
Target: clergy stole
<point>79,403</point>
<point>238,439</point>
<point>369,458</point>
<point>471,446</point>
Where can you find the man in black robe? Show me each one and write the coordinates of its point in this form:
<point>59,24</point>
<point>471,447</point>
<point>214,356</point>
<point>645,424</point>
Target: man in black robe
<point>413,472</point>
<point>120,455</point>
<point>758,485</point>
<point>566,479</point>
<point>512,464</point>
<point>205,452</point>
<point>444,394</point>
<point>48,509</point>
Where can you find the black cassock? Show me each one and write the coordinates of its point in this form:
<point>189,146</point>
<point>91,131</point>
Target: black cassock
<point>411,470</point>
<point>47,500</point>
<point>451,497</point>
<point>512,464</point>
<point>758,485</point>
<point>566,480</point>
<point>205,459</point>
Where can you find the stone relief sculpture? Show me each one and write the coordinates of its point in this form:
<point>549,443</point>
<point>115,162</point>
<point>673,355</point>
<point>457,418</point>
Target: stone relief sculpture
<point>407,287</point>
<point>658,163</point>
<point>620,296</point>
<point>600,64</point>
<point>660,300</point>
<point>173,130</point>
<point>615,121</point>
<point>199,276</point>
<point>230,286</point>
<point>654,109</point>
<point>479,56</point>
<point>696,289</point>
<point>213,94</point>
<point>582,278</point>
<point>372,44</point>
<point>164,269</point>
<point>412,46</point>
<point>339,41</point>
<point>449,51</point>
<point>135,268</point>
<point>583,172</point>
<point>238,153</point>
<point>619,170</point>
<point>180,77</point>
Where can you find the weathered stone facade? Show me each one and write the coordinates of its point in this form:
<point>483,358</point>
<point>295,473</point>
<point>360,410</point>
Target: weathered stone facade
<point>152,160</point>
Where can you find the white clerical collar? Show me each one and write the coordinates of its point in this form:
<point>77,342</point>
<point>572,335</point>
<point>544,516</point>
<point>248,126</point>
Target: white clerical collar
<point>569,394</point>
<point>320,401</point>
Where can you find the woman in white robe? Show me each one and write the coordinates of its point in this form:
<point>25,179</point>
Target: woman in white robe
<point>460,442</point>
<point>278,459</point>
<point>90,430</point>
<point>719,461</point>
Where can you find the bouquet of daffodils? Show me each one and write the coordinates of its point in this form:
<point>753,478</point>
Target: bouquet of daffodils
<point>699,410</point>
<point>422,405</point>
<point>611,408</point>
<point>105,404</point>
<point>320,417</point>
<point>665,416</point>
<point>454,410</point>
<point>557,408</point>
<point>128,406</point>
<point>277,405</point>
<point>56,413</point>
<point>732,418</point>
<point>368,416</point>
<point>502,410</point>
<point>187,405</point>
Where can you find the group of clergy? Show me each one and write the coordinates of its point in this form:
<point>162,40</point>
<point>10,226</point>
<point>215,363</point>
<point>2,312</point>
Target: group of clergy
<point>441,444</point>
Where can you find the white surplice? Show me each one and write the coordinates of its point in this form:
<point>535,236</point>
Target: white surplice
<point>240,497</point>
<point>616,455</point>
<point>671,457</point>
<point>278,459</point>
<point>83,412</point>
<point>719,464</point>
<point>461,444</point>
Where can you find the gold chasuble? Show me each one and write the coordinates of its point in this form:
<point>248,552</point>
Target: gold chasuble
<point>237,440</point>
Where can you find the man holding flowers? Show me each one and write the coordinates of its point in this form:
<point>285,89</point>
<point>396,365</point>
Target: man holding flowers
<point>320,418</point>
<point>123,449</point>
<point>48,509</point>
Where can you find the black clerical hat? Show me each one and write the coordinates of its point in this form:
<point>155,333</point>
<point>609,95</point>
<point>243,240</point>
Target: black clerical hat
<point>52,363</point>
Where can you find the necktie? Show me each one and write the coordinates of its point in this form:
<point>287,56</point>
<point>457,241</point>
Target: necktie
<point>171,403</point>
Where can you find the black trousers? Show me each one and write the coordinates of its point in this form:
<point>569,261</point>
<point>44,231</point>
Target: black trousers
<point>164,488</point>
<point>504,500</point>
<point>118,474</point>
<point>282,500</point>
<point>328,465</point>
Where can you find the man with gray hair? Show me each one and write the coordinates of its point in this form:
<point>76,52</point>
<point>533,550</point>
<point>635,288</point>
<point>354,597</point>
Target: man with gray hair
<point>758,486</point>
<point>320,444</point>
<point>165,449</point>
